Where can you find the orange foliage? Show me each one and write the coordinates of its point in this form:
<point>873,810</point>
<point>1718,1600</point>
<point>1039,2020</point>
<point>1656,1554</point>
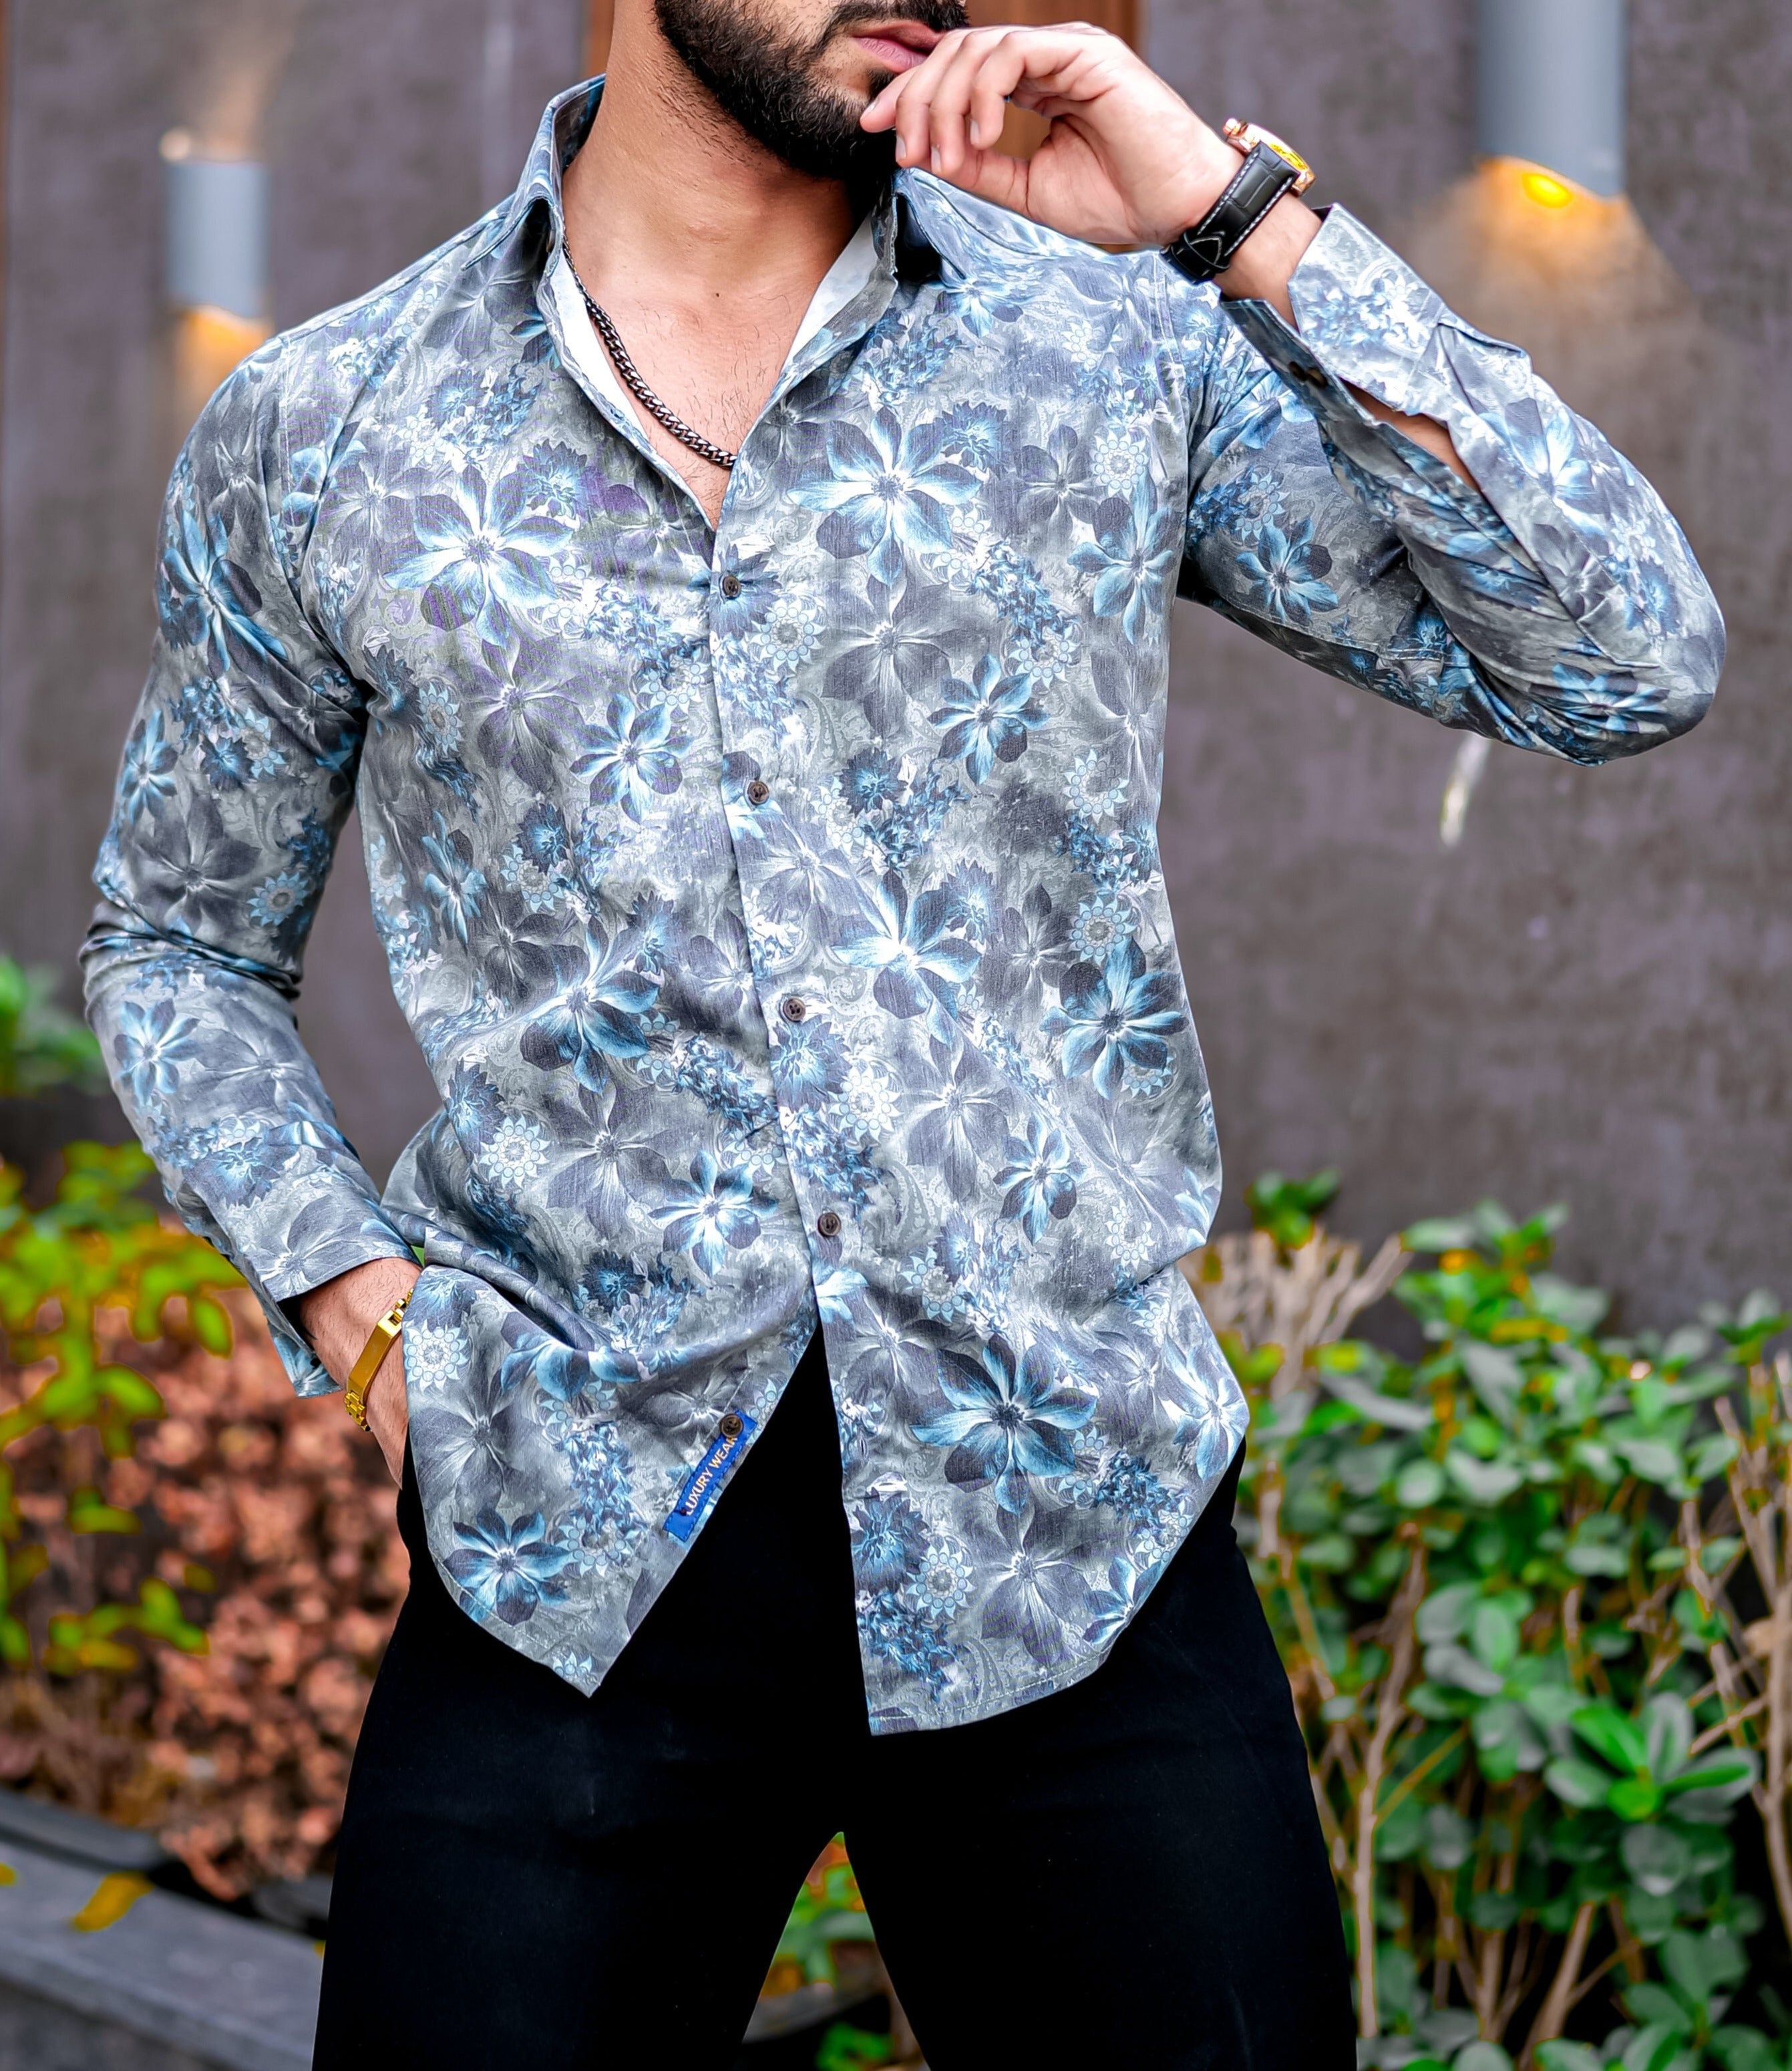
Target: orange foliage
<point>274,1520</point>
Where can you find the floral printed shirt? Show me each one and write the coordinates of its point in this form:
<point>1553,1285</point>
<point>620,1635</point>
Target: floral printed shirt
<point>779,910</point>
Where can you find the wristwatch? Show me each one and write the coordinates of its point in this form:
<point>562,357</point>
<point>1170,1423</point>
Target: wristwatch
<point>1271,169</point>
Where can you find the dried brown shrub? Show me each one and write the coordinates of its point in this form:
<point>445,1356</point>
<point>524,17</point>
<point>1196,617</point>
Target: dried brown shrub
<point>274,1519</point>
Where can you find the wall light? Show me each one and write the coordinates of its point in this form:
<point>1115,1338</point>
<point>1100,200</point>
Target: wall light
<point>1550,92</point>
<point>217,230</point>
<point>214,268</point>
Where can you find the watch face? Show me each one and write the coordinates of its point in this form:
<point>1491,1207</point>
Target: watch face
<point>1246,136</point>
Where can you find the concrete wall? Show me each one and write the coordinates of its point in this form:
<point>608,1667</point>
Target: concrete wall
<point>1586,1000</point>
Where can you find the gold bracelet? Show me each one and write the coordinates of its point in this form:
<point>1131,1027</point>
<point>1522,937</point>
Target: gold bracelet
<point>373,1356</point>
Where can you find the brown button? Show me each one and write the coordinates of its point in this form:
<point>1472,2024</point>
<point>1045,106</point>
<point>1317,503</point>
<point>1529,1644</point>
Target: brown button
<point>827,1224</point>
<point>730,1426</point>
<point>794,1009</point>
<point>758,792</point>
<point>731,585</point>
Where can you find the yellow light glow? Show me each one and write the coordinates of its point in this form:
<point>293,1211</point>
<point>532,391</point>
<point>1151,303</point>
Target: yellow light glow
<point>208,343</point>
<point>1546,192</point>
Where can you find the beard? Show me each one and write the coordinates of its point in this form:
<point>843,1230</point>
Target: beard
<point>767,84</point>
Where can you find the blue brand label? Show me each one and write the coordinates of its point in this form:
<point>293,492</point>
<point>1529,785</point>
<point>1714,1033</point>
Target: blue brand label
<point>706,1476</point>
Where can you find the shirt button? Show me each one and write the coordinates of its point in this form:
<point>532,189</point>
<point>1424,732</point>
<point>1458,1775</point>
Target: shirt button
<point>731,585</point>
<point>794,1009</point>
<point>758,792</point>
<point>731,1426</point>
<point>827,1224</point>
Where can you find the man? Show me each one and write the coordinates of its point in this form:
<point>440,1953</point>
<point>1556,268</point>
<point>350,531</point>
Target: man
<point>735,588</point>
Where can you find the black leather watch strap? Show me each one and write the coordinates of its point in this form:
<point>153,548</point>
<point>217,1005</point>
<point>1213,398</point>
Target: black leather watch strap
<point>1212,244</point>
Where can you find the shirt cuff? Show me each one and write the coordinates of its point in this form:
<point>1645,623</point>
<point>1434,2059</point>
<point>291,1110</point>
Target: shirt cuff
<point>354,1247</point>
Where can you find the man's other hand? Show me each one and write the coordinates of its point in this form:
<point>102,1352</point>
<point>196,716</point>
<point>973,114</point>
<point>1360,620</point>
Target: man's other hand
<point>338,1318</point>
<point>1127,160</point>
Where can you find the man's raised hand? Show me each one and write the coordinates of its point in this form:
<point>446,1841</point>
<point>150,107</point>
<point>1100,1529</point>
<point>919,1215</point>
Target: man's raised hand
<point>1126,161</point>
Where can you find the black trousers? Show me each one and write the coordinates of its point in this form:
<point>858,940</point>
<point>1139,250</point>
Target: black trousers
<point>1128,1873</point>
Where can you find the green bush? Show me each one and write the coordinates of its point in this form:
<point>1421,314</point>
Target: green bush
<point>1505,1580</point>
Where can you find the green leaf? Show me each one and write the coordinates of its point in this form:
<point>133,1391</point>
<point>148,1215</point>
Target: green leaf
<point>1440,1234</point>
<point>1726,1776</point>
<point>1395,1411</point>
<point>130,1392</point>
<point>1651,1460</point>
<point>1710,1456</point>
<point>1569,2056</point>
<point>1657,1858</point>
<point>1607,1732</point>
<point>1658,2048</point>
<point>1577,1783</point>
<point>1634,1798</point>
<point>1449,1838</point>
<point>1493,1911</point>
<point>1702,1964</point>
<point>211,1324</point>
<point>1655,2005</point>
<point>1484,1481</point>
<point>1496,1376</point>
<point>1483,2057</point>
<point>1506,1741</point>
<point>1419,1484</point>
<point>1444,1614</point>
<point>1668,1730</point>
<point>1580,1310</point>
<point>1493,1633</point>
<point>1745,2049</point>
<point>1456,1669</point>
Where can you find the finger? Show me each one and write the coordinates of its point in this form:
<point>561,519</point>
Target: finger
<point>915,112</point>
<point>953,95</point>
<point>888,110</point>
<point>989,102</point>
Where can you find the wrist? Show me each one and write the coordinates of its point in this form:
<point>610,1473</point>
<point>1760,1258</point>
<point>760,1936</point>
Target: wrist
<point>1255,232</point>
<point>1209,165</point>
<point>1266,260</point>
<point>338,1317</point>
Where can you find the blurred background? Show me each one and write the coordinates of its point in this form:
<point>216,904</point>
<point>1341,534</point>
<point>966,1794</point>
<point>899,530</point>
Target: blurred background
<point>1449,973</point>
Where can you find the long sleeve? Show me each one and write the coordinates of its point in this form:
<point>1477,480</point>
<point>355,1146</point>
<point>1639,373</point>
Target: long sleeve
<point>237,775</point>
<point>1559,608</point>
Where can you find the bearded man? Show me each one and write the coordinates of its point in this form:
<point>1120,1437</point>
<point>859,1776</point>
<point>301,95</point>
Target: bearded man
<point>733,580</point>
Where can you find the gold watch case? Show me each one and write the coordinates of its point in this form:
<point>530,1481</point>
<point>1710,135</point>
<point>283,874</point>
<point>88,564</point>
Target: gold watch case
<point>1245,137</point>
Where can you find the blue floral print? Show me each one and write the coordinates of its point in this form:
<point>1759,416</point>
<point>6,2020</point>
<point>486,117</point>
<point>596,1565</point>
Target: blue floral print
<point>778,908</point>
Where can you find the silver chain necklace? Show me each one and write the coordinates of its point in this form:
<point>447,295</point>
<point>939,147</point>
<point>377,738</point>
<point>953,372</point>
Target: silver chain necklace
<point>705,449</point>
